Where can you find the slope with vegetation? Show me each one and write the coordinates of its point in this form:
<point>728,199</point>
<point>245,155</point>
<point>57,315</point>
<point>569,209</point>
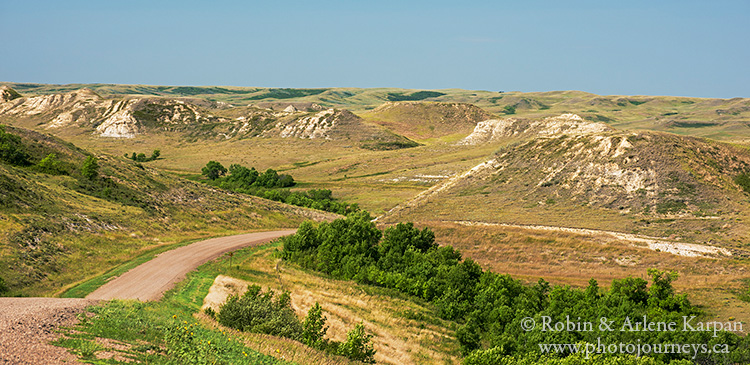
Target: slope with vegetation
<point>494,309</point>
<point>722,119</point>
<point>423,120</point>
<point>270,185</point>
<point>651,183</point>
<point>504,191</point>
<point>127,117</point>
<point>67,214</point>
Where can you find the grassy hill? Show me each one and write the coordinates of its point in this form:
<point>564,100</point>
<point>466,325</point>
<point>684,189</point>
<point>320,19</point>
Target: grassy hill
<point>721,119</point>
<point>84,111</point>
<point>649,183</point>
<point>511,179</point>
<point>424,120</point>
<point>59,226</point>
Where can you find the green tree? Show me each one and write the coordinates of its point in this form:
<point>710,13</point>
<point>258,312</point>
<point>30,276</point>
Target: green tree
<point>51,165</point>
<point>261,312</point>
<point>268,179</point>
<point>213,170</point>
<point>12,149</point>
<point>314,328</point>
<point>286,181</point>
<point>358,346</point>
<point>90,168</point>
<point>510,109</point>
<point>155,155</point>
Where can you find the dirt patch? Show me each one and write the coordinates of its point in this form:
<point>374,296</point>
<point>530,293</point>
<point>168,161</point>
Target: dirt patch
<point>653,243</point>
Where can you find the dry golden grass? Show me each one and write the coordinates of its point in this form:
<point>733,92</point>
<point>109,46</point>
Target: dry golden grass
<point>376,180</point>
<point>278,347</point>
<point>572,259</point>
<point>397,338</point>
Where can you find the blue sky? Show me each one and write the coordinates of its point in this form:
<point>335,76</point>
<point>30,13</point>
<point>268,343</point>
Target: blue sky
<point>681,48</point>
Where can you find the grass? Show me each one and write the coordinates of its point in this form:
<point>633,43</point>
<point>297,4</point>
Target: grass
<point>572,259</point>
<point>682,115</point>
<point>379,180</point>
<point>398,339</point>
<point>57,232</point>
<point>405,331</point>
<point>86,286</point>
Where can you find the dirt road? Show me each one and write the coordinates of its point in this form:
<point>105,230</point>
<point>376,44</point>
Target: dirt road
<point>150,280</point>
<point>28,324</point>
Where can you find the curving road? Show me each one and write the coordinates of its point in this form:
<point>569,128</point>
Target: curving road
<point>150,280</point>
<point>28,324</point>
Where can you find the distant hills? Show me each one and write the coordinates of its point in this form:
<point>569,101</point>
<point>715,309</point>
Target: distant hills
<point>560,158</point>
<point>721,119</point>
<point>128,116</point>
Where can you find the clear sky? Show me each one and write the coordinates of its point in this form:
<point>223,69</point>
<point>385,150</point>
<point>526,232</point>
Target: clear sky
<point>681,48</point>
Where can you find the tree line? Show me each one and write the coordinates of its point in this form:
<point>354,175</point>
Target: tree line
<point>141,157</point>
<point>271,185</point>
<point>490,307</point>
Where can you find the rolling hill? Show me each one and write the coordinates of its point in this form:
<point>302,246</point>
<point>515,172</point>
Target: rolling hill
<point>549,173</point>
<point>84,111</point>
<point>720,119</point>
<point>60,224</point>
<point>423,120</point>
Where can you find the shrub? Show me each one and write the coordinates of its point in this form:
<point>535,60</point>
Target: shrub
<point>314,328</point>
<point>358,346</point>
<point>90,168</point>
<point>670,206</point>
<point>51,165</point>
<point>184,347</point>
<point>261,312</point>
<point>141,157</point>
<point>743,180</point>
<point>213,170</point>
<point>3,287</point>
<point>12,149</point>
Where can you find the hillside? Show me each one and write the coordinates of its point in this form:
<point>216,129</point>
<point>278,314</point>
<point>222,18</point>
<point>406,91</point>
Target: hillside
<point>423,120</point>
<point>493,130</point>
<point>643,182</point>
<point>720,119</point>
<point>84,111</point>
<point>62,223</point>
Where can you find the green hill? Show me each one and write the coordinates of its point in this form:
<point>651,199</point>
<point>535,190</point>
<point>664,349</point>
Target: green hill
<point>62,223</point>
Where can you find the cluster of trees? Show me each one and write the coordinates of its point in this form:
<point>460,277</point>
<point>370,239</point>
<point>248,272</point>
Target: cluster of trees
<point>141,157</point>
<point>241,177</point>
<point>12,150</point>
<point>264,312</point>
<point>270,185</point>
<point>320,199</point>
<point>491,306</point>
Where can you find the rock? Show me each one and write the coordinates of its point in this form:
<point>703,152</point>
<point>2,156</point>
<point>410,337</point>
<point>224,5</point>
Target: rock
<point>122,124</point>
<point>494,129</point>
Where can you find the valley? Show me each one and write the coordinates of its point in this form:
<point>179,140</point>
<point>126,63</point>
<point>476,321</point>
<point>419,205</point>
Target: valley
<point>566,186</point>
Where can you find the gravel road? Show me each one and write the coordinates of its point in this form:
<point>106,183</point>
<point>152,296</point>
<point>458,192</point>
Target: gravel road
<point>27,325</point>
<point>150,280</point>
